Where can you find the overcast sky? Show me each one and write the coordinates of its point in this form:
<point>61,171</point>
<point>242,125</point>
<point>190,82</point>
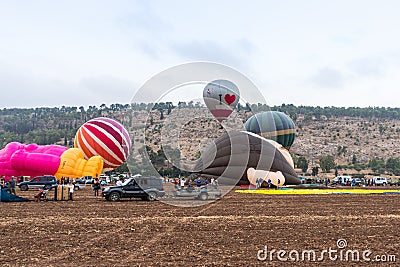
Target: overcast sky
<point>326,53</point>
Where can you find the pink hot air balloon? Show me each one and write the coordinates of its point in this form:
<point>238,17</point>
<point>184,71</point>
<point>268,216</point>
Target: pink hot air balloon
<point>221,97</point>
<point>31,160</point>
<point>104,137</point>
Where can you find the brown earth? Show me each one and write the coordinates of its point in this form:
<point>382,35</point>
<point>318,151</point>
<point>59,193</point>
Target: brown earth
<point>228,232</point>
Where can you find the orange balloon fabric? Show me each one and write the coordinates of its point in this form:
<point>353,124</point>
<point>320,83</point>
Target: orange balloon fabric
<point>74,165</point>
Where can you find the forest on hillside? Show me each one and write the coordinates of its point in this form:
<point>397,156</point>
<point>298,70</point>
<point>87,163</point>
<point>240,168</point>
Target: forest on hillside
<point>46,125</point>
<point>58,125</point>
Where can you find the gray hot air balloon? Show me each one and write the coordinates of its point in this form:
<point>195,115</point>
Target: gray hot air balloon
<point>221,97</point>
<point>232,154</point>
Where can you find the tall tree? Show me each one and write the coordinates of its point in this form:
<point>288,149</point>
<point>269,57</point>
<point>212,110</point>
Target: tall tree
<point>327,163</point>
<point>302,163</point>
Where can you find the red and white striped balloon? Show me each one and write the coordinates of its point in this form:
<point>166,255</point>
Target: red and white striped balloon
<point>104,137</point>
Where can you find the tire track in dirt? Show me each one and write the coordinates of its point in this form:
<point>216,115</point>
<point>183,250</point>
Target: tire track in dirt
<point>161,235</point>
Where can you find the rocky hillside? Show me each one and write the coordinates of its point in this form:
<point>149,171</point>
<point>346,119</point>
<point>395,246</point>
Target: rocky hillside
<point>352,136</point>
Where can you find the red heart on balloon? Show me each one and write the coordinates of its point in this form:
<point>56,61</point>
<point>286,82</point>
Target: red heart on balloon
<point>230,98</point>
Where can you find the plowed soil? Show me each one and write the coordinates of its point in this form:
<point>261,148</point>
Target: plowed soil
<point>229,232</point>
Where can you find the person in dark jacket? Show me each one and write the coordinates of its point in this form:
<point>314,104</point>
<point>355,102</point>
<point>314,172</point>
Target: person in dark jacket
<point>96,187</point>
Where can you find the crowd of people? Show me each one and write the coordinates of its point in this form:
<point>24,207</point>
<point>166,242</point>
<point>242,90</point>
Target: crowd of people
<point>191,184</point>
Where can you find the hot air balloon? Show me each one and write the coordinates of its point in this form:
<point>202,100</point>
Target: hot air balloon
<point>231,155</point>
<point>276,178</point>
<point>73,165</point>
<point>104,137</point>
<point>33,160</point>
<point>221,97</point>
<point>273,125</point>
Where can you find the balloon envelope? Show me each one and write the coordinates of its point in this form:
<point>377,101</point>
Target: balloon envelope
<point>230,155</point>
<point>221,97</point>
<point>273,125</point>
<point>276,178</point>
<point>104,137</point>
<point>33,160</point>
<point>73,165</point>
<point>29,160</point>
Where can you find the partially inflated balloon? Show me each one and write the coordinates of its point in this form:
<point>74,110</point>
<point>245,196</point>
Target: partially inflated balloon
<point>106,138</point>
<point>33,160</point>
<point>231,155</point>
<point>283,150</point>
<point>29,160</point>
<point>221,97</point>
<point>73,165</point>
<point>276,178</point>
<point>273,125</point>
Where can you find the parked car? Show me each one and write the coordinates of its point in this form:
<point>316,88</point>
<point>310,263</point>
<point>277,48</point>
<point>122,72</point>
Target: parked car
<point>146,188</point>
<point>380,181</point>
<point>87,179</point>
<point>80,180</point>
<point>45,182</point>
<point>357,181</point>
<point>79,186</point>
<point>343,180</point>
<point>395,183</point>
<point>202,193</point>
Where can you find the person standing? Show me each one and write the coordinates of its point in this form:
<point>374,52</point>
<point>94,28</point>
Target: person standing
<point>206,182</point>
<point>183,183</point>
<point>11,185</point>
<point>2,182</point>
<point>96,187</point>
<point>198,182</point>
<point>120,182</point>
<point>190,186</point>
<point>71,190</point>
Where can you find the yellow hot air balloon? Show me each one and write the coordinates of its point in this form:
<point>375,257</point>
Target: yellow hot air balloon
<point>74,165</point>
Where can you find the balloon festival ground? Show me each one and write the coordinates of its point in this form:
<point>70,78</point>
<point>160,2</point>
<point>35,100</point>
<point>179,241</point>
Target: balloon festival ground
<point>228,232</point>
<point>292,191</point>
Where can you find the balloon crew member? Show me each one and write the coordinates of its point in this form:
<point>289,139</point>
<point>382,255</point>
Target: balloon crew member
<point>206,182</point>
<point>11,185</point>
<point>96,187</point>
<point>71,186</point>
<point>2,182</point>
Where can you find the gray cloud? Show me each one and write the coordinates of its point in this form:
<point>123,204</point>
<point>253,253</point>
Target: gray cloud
<point>368,66</point>
<point>22,88</point>
<point>108,89</point>
<point>328,78</point>
<point>144,29</point>
<point>235,55</point>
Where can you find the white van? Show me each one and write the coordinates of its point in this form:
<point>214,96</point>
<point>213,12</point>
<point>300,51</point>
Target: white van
<point>380,181</point>
<point>343,179</point>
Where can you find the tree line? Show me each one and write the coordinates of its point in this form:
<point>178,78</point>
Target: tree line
<point>47,125</point>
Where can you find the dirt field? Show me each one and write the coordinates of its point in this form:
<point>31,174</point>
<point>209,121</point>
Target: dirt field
<point>229,232</point>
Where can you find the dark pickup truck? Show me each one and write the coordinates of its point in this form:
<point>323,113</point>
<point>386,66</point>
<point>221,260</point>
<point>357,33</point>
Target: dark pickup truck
<point>146,188</point>
<point>45,182</point>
